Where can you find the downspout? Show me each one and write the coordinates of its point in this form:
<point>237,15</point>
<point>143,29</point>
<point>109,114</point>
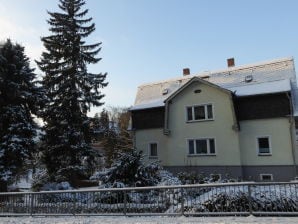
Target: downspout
<point>132,132</point>
<point>166,130</point>
<point>236,125</point>
<point>236,128</point>
<point>293,140</point>
<point>134,142</point>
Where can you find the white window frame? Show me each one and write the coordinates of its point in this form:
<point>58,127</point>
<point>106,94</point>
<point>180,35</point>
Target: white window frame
<point>257,145</point>
<point>149,150</point>
<point>266,174</point>
<point>208,147</point>
<point>205,105</point>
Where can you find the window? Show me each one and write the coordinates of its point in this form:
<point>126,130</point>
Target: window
<point>201,146</point>
<point>199,112</point>
<point>248,78</point>
<point>263,145</point>
<point>153,150</point>
<point>266,177</point>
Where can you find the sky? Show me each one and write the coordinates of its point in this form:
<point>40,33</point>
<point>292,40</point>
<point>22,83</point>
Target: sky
<point>151,40</point>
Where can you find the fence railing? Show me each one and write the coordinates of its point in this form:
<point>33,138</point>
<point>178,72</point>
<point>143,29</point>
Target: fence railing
<point>204,199</point>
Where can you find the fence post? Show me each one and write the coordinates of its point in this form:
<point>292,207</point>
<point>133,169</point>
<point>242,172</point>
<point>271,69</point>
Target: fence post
<point>124,202</point>
<point>182,201</point>
<point>31,196</point>
<point>74,196</point>
<point>249,199</point>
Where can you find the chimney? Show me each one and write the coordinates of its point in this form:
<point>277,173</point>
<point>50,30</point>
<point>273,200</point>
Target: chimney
<point>231,62</point>
<point>186,71</point>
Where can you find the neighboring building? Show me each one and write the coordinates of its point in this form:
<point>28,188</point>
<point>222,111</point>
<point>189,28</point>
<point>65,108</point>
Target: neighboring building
<point>238,122</point>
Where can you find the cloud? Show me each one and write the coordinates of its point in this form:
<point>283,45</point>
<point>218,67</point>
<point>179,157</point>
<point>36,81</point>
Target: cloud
<point>26,35</point>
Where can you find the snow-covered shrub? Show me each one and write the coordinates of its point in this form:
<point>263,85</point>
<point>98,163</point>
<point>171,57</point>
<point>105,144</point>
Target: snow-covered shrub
<point>167,178</point>
<point>39,179</point>
<point>192,178</point>
<point>52,186</point>
<point>71,174</point>
<point>41,182</point>
<point>130,170</point>
<point>200,178</point>
<point>236,199</point>
<point>226,202</point>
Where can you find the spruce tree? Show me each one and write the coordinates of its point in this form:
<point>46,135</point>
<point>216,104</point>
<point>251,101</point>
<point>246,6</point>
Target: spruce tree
<point>129,169</point>
<point>70,90</point>
<point>19,96</point>
<point>116,138</point>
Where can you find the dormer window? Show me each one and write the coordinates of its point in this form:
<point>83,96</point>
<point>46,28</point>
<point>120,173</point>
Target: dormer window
<point>165,91</point>
<point>248,78</point>
<point>199,112</point>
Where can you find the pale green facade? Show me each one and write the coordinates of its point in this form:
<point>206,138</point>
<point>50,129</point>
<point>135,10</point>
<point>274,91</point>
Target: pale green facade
<point>235,144</point>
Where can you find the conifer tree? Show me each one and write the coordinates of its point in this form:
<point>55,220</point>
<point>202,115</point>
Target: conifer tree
<point>70,89</point>
<point>19,96</point>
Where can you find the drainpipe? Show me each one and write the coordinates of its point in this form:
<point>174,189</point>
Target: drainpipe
<point>236,128</point>
<point>293,138</point>
<point>134,142</point>
<point>166,130</point>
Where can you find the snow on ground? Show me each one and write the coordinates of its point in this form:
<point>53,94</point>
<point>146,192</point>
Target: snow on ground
<point>147,220</point>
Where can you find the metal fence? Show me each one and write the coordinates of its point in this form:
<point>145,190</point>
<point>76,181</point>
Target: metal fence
<point>204,200</point>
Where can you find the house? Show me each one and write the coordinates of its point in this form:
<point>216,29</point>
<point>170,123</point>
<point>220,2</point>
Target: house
<point>240,121</point>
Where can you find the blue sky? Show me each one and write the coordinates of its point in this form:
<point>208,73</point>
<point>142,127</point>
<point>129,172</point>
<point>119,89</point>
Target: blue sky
<point>151,40</point>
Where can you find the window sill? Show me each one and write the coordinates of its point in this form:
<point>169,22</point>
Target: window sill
<point>153,157</point>
<point>195,121</point>
<point>265,154</point>
<point>200,155</point>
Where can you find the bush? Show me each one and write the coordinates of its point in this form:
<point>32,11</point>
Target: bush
<point>41,182</point>
<point>201,178</point>
<point>192,178</point>
<point>130,170</point>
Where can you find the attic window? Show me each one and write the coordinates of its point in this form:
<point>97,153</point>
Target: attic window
<point>248,78</point>
<point>165,91</point>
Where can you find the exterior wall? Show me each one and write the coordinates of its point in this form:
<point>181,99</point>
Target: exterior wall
<point>236,151</point>
<point>144,137</point>
<point>278,130</point>
<point>279,172</point>
<point>246,173</point>
<point>220,128</point>
<point>234,172</point>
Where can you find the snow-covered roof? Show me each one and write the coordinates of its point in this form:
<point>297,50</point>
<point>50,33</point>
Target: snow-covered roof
<point>262,88</point>
<point>252,79</point>
<point>149,104</point>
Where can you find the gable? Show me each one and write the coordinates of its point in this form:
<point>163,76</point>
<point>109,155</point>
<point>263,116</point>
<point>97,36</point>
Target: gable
<point>194,83</point>
<point>198,93</point>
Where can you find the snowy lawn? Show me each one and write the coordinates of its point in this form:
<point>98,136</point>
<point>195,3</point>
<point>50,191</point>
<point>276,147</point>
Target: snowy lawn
<point>147,220</point>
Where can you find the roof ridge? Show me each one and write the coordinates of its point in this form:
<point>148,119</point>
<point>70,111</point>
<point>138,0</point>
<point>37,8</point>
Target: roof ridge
<point>249,66</point>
